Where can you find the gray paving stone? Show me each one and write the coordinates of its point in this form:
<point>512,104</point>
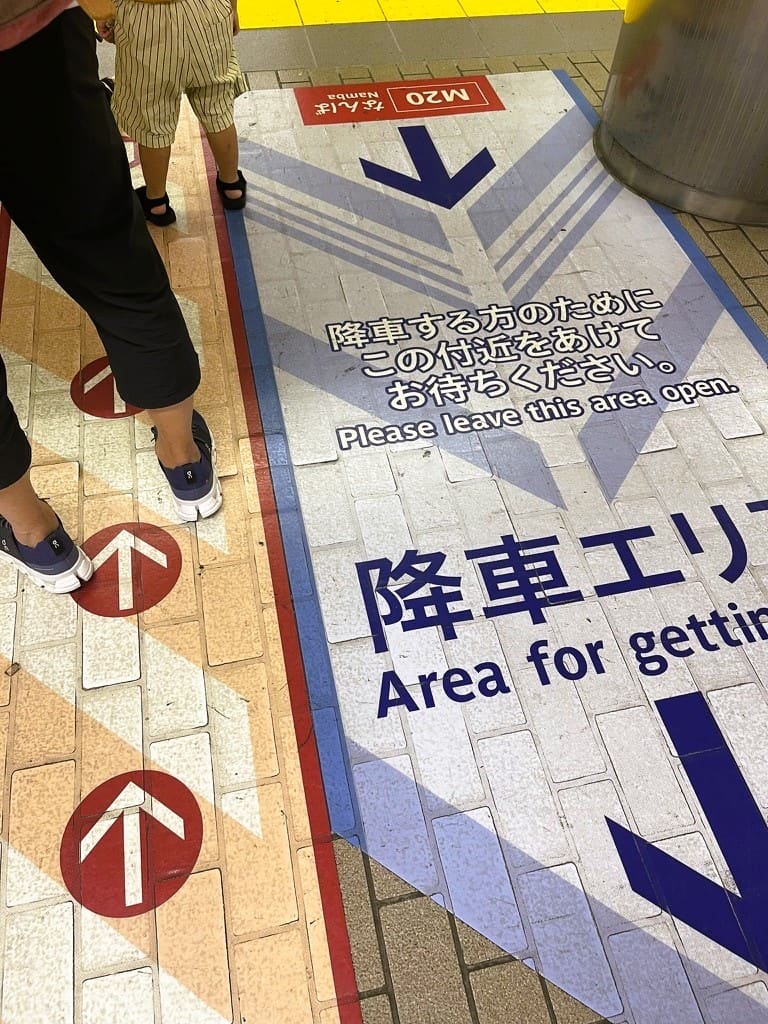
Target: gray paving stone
<point>428,990</point>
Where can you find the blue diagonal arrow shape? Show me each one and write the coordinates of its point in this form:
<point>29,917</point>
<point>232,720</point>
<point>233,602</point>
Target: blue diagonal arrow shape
<point>737,922</point>
<point>433,184</point>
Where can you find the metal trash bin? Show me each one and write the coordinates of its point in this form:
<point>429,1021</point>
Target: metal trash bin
<point>685,116</point>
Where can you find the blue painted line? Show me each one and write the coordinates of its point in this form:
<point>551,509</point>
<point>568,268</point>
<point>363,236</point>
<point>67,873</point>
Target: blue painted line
<point>332,748</point>
<point>342,805</point>
<point>577,96</point>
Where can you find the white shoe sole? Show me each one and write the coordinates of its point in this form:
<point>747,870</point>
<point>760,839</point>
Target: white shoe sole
<point>191,511</point>
<point>55,583</point>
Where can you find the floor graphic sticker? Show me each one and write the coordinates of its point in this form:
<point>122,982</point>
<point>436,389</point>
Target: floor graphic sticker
<point>136,565</point>
<point>525,524</point>
<point>94,391</point>
<point>131,844</point>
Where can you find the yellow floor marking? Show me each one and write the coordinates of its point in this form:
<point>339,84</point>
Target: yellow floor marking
<point>490,8</point>
<point>280,14</point>
<point>411,10</point>
<point>255,14</point>
<point>340,12</point>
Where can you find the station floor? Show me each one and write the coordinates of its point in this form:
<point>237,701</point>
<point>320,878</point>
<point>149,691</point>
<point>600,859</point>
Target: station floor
<point>278,918</point>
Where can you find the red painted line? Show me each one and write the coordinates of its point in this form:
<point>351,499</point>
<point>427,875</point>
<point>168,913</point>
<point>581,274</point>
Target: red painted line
<point>320,827</point>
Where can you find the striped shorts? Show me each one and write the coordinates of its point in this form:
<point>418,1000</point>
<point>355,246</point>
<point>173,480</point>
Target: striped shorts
<point>164,50</point>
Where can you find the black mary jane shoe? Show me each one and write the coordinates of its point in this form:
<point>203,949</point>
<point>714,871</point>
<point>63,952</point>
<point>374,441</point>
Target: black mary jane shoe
<point>161,220</point>
<point>233,186</point>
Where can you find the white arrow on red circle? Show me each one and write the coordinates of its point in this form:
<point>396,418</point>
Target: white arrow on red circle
<point>127,805</point>
<point>118,405</point>
<point>122,544</point>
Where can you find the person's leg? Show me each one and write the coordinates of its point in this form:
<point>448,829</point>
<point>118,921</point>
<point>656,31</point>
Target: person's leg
<point>68,188</point>
<point>154,167</point>
<point>216,81</point>
<point>149,72</point>
<point>30,518</point>
<point>224,147</point>
<point>31,537</point>
<point>174,445</point>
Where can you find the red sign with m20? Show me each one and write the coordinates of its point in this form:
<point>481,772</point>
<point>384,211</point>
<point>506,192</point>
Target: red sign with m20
<point>393,101</point>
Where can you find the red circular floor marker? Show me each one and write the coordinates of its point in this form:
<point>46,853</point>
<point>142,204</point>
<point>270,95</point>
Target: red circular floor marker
<point>136,566</point>
<point>131,844</point>
<point>94,391</point>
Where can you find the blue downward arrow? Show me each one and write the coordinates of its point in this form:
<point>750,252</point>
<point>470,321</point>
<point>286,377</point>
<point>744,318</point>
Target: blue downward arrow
<point>740,923</point>
<point>433,184</point>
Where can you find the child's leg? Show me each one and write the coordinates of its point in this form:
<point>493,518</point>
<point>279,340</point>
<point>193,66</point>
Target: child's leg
<point>224,147</point>
<point>150,71</point>
<point>154,167</point>
<point>215,82</point>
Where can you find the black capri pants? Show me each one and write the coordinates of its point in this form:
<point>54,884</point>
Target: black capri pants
<point>66,183</point>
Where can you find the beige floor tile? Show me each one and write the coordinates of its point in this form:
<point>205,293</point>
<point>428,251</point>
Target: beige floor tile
<point>100,512</point>
<point>17,329</point>
<point>103,948</point>
<point>42,800</point>
<point>175,686</point>
<point>38,966</point>
<point>232,626</point>
<point>258,963</point>
<point>293,781</point>
<point>249,477</point>
<point>57,357</point>
<point>126,996</point>
<point>4,723</point>
<point>191,941</point>
<point>111,730</point>
<point>120,637</point>
<point>318,940</point>
<point>45,619</point>
<point>57,479</point>
<point>220,424</point>
<point>278,681</point>
<point>107,457</point>
<point>181,603</point>
<point>258,860</point>
<point>57,312</point>
<point>224,537</point>
<point>261,560</point>
<point>188,263</point>
<point>44,719</point>
<point>241,724</point>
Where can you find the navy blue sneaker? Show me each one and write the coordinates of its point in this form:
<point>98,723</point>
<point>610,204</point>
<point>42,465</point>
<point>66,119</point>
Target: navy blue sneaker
<point>56,564</point>
<point>195,487</point>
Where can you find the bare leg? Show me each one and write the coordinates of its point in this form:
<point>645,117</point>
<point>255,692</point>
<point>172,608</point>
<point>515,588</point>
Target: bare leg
<point>224,147</point>
<point>154,166</point>
<point>175,445</point>
<point>30,518</point>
